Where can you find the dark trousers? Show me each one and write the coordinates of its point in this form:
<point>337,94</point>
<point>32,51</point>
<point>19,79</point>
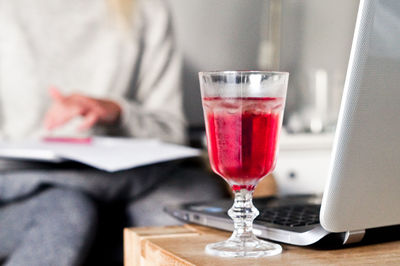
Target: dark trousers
<point>53,220</point>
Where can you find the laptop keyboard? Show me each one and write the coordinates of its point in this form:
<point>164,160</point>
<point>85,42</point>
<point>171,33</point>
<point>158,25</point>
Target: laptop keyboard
<point>292,216</point>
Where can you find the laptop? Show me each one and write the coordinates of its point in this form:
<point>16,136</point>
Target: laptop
<point>362,192</point>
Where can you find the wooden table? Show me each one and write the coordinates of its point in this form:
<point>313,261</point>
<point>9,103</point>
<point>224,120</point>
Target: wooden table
<point>184,245</point>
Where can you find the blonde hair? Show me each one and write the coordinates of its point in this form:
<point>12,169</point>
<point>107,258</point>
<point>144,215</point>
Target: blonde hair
<point>122,9</point>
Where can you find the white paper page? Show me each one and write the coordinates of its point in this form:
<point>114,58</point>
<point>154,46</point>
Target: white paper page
<point>28,150</point>
<point>110,154</point>
<point>115,154</point>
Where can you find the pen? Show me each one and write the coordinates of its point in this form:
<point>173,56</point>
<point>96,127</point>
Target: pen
<point>86,140</point>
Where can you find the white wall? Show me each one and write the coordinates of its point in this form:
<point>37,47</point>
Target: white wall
<point>216,35</point>
<point>226,34</point>
<point>316,35</point>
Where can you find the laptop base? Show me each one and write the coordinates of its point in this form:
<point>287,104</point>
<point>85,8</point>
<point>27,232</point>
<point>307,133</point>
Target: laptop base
<point>290,219</point>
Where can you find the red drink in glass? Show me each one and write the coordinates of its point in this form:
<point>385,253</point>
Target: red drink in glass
<point>243,114</point>
<point>242,137</point>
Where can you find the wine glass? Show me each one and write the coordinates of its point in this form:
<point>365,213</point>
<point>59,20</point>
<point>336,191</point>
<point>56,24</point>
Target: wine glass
<point>243,113</point>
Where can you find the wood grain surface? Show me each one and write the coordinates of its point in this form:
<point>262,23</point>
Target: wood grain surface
<point>184,245</point>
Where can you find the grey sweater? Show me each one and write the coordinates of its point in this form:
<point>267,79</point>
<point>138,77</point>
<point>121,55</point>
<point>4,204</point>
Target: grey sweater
<point>78,46</point>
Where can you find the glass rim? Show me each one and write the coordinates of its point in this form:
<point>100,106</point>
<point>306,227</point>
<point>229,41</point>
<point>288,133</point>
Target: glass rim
<point>247,72</point>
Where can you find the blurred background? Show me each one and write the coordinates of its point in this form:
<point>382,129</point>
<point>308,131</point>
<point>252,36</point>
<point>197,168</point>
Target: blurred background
<point>310,39</point>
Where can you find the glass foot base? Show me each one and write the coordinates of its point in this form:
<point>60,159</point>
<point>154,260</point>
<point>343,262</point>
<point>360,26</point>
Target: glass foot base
<point>253,248</point>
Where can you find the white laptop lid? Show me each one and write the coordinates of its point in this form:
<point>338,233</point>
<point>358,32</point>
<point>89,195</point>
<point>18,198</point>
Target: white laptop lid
<point>363,187</point>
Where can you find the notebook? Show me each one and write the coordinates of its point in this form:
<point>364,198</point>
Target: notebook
<point>363,186</point>
<point>104,153</point>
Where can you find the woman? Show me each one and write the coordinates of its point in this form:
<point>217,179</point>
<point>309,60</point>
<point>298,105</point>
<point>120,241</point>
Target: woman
<point>115,70</point>
<point>76,68</point>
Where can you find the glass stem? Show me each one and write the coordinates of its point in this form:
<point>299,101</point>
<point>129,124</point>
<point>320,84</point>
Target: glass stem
<point>243,213</point>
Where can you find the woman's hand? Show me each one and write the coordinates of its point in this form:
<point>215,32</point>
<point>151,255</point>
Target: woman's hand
<point>94,111</point>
